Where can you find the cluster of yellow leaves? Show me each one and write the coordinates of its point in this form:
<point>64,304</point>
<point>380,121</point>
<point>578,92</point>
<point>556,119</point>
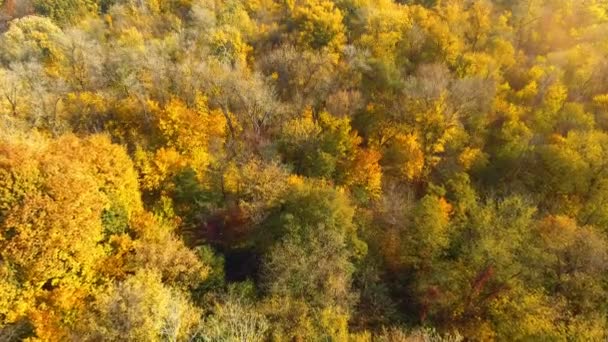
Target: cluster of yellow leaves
<point>300,322</point>
<point>319,23</point>
<point>228,45</point>
<point>328,147</point>
<point>444,41</point>
<point>258,187</point>
<point>158,167</point>
<point>54,243</point>
<point>51,234</point>
<point>29,36</point>
<point>188,135</point>
<point>366,172</point>
<point>386,26</point>
<point>85,109</point>
<point>407,154</point>
<point>156,247</point>
<point>523,315</point>
<point>471,157</point>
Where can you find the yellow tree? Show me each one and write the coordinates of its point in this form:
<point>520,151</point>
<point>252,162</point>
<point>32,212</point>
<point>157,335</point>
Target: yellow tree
<point>51,228</point>
<point>71,217</point>
<point>317,24</point>
<point>189,137</point>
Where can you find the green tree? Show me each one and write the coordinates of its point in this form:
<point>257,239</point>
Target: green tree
<point>65,11</point>
<point>310,262</point>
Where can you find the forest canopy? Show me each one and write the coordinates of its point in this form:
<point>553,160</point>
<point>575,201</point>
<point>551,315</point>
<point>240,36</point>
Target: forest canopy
<point>303,170</point>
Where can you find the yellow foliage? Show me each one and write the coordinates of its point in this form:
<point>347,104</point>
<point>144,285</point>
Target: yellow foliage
<point>469,157</point>
<point>227,44</point>
<point>113,266</point>
<point>554,97</point>
<point>601,99</point>
<point>53,230</point>
<point>293,319</point>
<point>366,172</point>
<point>158,249</point>
<point>126,121</point>
<point>445,209</point>
<point>185,128</point>
<point>231,179</point>
<point>132,38</point>
<point>85,108</point>
<point>334,324</point>
<point>503,52</point>
<point>558,232</point>
<point>303,129</point>
<point>32,36</point>
<point>529,91</point>
<point>409,156</point>
<point>188,135</point>
<point>386,26</point>
<point>445,42</point>
<point>437,90</point>
<point>141,308</point>
<point>319,24</point>
<point>525,315</point>
<point>480,64</point>
<point>110,165</point>
<point>295,180</point>
<point>261,187</point>
<point>155,169</point>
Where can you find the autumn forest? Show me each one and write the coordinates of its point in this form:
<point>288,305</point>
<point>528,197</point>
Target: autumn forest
<point>304,170</point>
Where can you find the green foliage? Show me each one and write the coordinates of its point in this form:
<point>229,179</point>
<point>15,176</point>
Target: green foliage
<point>315,227</point>
<point>115,220</point>
<point>317,148</point>
<point>65,11</point>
